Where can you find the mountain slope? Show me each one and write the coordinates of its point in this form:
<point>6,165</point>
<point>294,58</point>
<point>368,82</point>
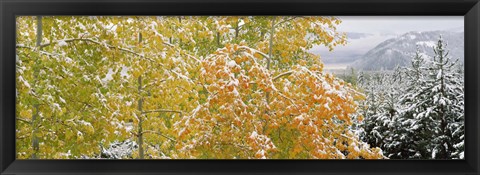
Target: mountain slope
<point>398,51</point>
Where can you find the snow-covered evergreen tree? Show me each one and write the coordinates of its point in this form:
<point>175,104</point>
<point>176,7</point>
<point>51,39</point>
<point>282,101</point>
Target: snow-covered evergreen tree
<point>119,150</point>
<point>115,150</point>
<point>436,106</point>
<point>380,110</point>
<point>417,111</point>
<point>415,127</point>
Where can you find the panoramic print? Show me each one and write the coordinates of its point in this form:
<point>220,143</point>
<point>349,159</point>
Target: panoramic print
<point>240,87</point>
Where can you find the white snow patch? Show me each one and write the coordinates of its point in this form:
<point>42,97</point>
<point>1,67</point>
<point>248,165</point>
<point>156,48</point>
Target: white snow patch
<point>86,78</point>
<point>300,117</point>
<point>241,23</point>
<point>68,59</point>
<point>82,26</point>
<point>68,154</point>
<point>109,76</point>
<point>356,148</point>
<point>181,131</point>
<point>130,20</point>
<point>62,100</point>
<point>25,83</point>
<point>124,72</point>
<point>111,27</point>
<point>326,106</point>
<point>426,43</point>
<point>439,75</point>
<point>235,92</point>
<point>17,59</point>
<point>62,43</point>
<point>253,135</point>
<point>389,52</point>
<point>231,63</point>
<point>119,150</point>
<point>83,122</point>
<point>128,126</point>
<point>56,105</point>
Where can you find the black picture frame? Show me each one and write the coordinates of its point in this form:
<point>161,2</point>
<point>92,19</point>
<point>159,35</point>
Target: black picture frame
<point>470,9</point>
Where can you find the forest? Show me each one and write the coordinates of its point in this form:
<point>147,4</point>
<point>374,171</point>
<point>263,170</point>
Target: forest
<point>223,87</point>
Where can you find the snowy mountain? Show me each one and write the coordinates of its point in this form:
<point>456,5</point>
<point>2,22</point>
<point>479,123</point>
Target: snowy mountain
<point>399,51</point>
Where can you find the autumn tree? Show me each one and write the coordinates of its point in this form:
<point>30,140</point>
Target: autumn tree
<point>183,87</point>
<point>98,60</point>
<point>253,110</point>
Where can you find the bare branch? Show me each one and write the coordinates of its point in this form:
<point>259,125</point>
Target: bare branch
<point>23,120</point>
<point>286,20</point>
<point>284,96</point>
<point>178,50</point>
<point>99,43</point>
<point>162,110</point>
<point>152,83</point>
<point>159,133</point>
<point>278,76</point>
<point>22,137</point>
<point>90,41</point>
<point>254,50</point>
<point>282,74</point>
<point>22,46</point>
<point>244,147</point>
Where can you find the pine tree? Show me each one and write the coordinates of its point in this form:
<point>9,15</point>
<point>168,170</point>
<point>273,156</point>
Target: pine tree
<point>434,110</point>
<point>416,112</point>
<point>380,127</point>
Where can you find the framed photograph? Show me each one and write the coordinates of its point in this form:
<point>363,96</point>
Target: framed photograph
<point>239,87</point>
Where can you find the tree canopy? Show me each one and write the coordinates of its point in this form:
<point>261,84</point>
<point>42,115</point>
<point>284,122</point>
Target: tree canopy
<point>183,87</point>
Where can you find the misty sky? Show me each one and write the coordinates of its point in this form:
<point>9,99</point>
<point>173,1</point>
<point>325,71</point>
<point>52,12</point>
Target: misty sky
<point>368,31</point>
<point>398,24</point>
